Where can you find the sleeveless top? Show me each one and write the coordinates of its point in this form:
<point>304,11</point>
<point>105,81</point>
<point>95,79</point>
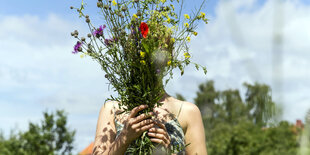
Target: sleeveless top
<point>174,131</point>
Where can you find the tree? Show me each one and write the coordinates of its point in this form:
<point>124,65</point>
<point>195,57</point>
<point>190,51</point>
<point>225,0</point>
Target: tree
<point>51,136</point>
<point>206,98</point>
<point>180,97</point>
<point>235,127</point>
<point>259,103</point>
<point>235,109</point>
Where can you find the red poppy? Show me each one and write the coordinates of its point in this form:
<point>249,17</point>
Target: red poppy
<point>144,29</point>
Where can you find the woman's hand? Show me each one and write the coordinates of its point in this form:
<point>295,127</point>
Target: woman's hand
<point>135,126</point>
<point>159,134</point>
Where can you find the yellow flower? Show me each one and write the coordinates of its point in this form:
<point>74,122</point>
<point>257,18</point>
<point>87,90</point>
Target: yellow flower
<point>134,16</point>
<point>172,40</point>
<point>163,1</point>
<point>169,63</point>
<point>169,30</point>
<point>142,61</point>
<point>186,25</point>
<point>142,54</point>
<point>188,39</point>
<point>168,20</point>
<point>114,3</point>
<point>202,14</point>
<point>186,16</point>
<point>82,56</point>
<point>186,55</point>
<point>195,33</point>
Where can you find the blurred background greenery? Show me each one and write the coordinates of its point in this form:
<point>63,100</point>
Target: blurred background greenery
<point>232,127</point>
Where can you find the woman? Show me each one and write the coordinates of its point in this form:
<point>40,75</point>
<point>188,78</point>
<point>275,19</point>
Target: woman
<point>176,122</point>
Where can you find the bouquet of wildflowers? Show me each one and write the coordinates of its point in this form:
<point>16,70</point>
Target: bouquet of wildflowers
<point>138,43</point>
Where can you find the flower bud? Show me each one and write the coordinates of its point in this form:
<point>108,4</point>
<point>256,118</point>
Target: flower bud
<point>71,7</point>
<point>86,16</point>
<point>136,1</point>
<point>76,32</point>
<point>106,76</point>
<point>72,34</point>
<point>167,8</point>
<point>124,8</point>
<point>87,20</point>
<point>83,39</point>
<point>89,51</point>
<point>139,13</point>
<point>80,49</point>
<point>88,35</point>
<point>106,7</point>
<point>99,4</point>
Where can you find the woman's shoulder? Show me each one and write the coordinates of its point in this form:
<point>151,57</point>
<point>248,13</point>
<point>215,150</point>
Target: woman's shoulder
<point>109,106</point>
<point>190,108</point>
<point>186,107</point>
<point>187,111</point>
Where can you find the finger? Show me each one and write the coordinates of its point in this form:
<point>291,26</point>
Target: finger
<point>147,127</point>
<point>135,110</point>
<point>159,141</point>
<point>159,136</point>
<point>142,123</point>
<point>161,125</point>
<point>143,117</point>
<point>157,130</point>
<point>160,131</point>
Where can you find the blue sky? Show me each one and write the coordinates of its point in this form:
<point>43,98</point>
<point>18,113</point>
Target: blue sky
<point>38,71</point>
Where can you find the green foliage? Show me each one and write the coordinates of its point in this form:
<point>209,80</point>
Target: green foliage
<point>180,97</point>
<point>237,127</point>
<point>51,136</point>
<point>258,100</point>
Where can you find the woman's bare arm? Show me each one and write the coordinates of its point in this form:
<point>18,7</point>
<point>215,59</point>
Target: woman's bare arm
<point>195,134</point>
<point>105,142</point>
<point>106,132</point>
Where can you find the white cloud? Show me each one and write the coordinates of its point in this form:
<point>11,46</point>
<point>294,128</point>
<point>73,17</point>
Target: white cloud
<point>237,44</point>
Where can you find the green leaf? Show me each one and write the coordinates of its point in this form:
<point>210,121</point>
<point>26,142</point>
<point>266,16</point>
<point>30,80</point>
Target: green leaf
<point>204,70</point>
<point>197,66</point>
<point>146,47</point>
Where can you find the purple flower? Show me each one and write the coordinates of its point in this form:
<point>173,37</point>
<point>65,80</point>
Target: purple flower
<point>133,30</point>
<point>109,42</point>
<point>157,71</point>
<point>99,32</point>
<point>140,32</point>
<point>77,47</point>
